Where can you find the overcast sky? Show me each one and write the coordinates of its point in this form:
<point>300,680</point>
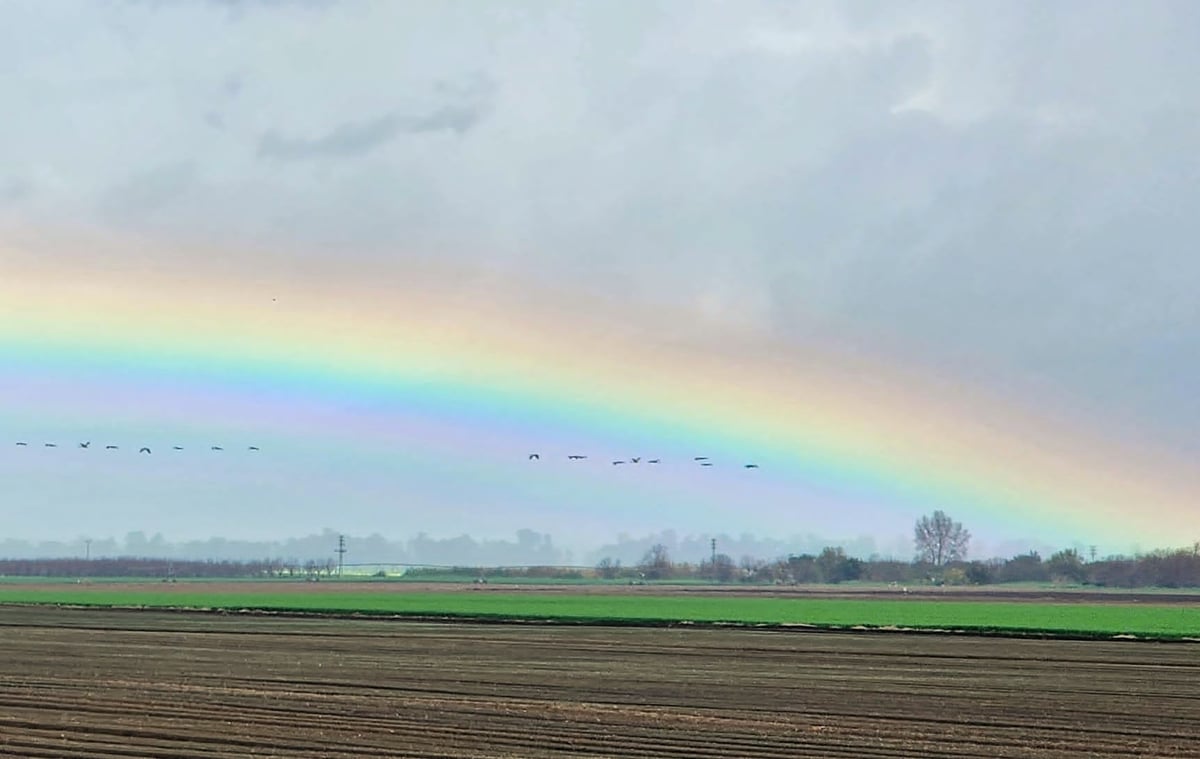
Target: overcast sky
<point>1004,191</point>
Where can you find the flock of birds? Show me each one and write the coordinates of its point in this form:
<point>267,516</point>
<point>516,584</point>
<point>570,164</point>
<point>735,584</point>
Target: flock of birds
<point>701,460</point>
<point>143,449</point>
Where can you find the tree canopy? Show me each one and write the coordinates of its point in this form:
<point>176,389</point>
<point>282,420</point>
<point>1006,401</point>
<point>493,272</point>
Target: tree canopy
<point>939,539</point>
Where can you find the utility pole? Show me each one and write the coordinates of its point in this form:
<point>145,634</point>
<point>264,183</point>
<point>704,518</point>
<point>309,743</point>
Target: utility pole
<point>1092,553</point>
<point>341,552</point>
<point>712,567</point>
<point>87,548</point>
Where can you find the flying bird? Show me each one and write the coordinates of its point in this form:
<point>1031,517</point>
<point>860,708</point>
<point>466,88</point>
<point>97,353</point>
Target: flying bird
<point>252,448</point>
<point>635,459</point>
<point>576,457</point>
<point>700,458</point>
<point>85,445</point>
<point>217,448</point>
<point>144,450</point>
<point>533,456</point>
<point>110,447</point>
<point>618,462</point>
<point>751,466</point>
<point>654,461</point>
<point>177,447</point>
<point>22,443</point>
<point>705,463</point>
<point>51,445</point>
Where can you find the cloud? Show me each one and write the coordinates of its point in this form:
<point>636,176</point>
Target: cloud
<point>1000,193</point>
<point>148,191</point>
<point>451,118</point>
<point>15,189</point>
<point>357,138</point>
<point>348,139</point>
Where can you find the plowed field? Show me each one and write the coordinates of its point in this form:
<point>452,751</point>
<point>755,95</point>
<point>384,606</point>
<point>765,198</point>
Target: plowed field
<point>104,683</point>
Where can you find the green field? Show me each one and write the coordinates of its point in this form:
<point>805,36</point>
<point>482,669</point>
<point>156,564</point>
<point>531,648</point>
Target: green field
<point>1177,620</point>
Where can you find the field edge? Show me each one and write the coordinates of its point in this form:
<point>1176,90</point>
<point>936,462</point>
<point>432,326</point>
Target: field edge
<point>483,618</point>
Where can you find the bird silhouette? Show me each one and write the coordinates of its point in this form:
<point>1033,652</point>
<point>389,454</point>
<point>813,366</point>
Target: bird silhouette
<point>751,466</point>
<point>217,448</point>
<point>177,447</point>
<point>618,462</point>
<point>576,457</point>
<point>705,463</point>
<point>51,445</point>
<point>22,443</point>
<point>699,458</point>
<point>654,461</point>
<point>110,447</point>
<point>144,450</point>
<point>85,445</point>
<point>252,448</point>
<point>635,459</point>
<point>533,456</point>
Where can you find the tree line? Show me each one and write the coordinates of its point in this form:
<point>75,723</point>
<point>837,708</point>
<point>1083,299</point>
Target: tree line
<point>1168,569</point>
<point>940,557</point>
<point>167,569</point>
<point>940,545</point>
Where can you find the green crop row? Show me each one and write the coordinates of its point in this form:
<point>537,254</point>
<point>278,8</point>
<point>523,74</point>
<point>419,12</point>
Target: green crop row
<point>1163,621</point>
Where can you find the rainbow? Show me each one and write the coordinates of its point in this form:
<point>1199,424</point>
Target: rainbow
<point>444,383</point>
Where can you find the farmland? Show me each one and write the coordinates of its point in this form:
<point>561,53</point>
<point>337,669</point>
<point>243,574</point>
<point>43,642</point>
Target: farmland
<point>122,683</point>
<point>1064,614</point>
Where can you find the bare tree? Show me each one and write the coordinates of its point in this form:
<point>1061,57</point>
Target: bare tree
<point>940,540</point>
<point>720,568</point>
<point>656,563</point>
<point>751,567</point>
<point>608,568</point>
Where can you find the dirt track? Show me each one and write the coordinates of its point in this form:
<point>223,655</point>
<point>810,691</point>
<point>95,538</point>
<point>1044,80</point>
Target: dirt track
<point>102,683</point>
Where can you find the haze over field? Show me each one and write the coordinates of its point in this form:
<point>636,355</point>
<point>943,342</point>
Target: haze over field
<point>903,256</point>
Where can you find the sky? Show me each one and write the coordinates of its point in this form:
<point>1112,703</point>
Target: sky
<point>957,235</point>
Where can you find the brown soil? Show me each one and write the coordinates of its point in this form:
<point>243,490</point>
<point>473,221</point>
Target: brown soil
<point>105,683</point>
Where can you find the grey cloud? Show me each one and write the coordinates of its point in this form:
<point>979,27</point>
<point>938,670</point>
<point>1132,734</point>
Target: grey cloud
<point>237,9</point>
<point>476,87</point>
<point>230,87</point>
<point>994,192</point>
<point>356,138</point>
<point>1025,219</point>
<point>348,139</point>
<point>150,191</point>
<point>233,85</point>
<point>15,189</point>
<point>1020,260</point>
<point>452,118</point>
